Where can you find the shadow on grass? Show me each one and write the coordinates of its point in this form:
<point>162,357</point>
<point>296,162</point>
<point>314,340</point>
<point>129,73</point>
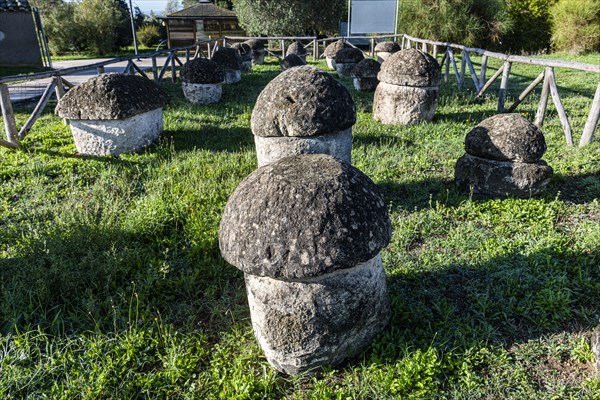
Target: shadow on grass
<point>417,195</point>
<point>211,137</point>
<point>579,189</point>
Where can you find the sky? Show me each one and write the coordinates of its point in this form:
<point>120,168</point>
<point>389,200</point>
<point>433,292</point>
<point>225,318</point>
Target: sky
<point>146,6</point>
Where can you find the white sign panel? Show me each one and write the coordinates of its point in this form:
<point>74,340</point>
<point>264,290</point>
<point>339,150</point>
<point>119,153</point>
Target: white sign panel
<point>373,16</point>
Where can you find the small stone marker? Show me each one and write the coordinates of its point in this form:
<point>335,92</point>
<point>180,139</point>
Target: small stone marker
<point>386,49</point>
<point>201,81</point>
<point>230,62</point>
<point>307,231</point>
<point>298,49</point>
<point>303,110</point>
<point>245,53</point>
<point>331,51</point>
<point>112,114</point>
<point>346,59</point>
<point>503,158</point>
<point>258,50</point>
<point>408,89</point>
<point>291,61</point>
<point>365,75</point>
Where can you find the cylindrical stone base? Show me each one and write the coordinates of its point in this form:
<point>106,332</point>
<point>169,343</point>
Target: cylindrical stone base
<point>232,76</point>
<point>492,178</point>
<point>246,66</point>
<point>271,149</point>
<point>382,56</point>
<point>367,84</point>
<point>202,93</point>
<point>258,57</point>
<point>330,63</point>
<point>393,104</point>
<point>115,137</point>
<point>344,70</point>
<point>318,321</point>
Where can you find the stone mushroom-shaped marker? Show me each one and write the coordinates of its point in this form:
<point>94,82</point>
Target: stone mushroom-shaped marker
<point>201,81</point>
<point>298,49</point>
<point>346,59</point>
<point>331,51</point>
<point>408,89</point>
<point>307,231</point>
<point>503,158</point>
<point>386,49</point>
<point>230,62</point>
<point>258,50</point>
<point>245,53</point>
<point>291,61</point>
<point>303,110</point>
<point>112,114</point>
<point>365,75</point>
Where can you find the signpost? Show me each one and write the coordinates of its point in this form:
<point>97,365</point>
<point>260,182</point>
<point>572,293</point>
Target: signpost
<point>372,16</point>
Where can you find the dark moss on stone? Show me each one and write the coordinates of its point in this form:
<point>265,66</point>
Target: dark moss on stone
<point>332,49</point>
<point>256,44</point>
<point>303,101</point>
<point>410,67</point>
<point>296,48</point>
<point>349,55</point>
<point>367,68</point>
<point>227,58</point>
<point>387,47</point>
<point>111,96</point>
<point>291,61</point>
<point>303,216</point>
<point>244,50</point>
<point>202,70</point>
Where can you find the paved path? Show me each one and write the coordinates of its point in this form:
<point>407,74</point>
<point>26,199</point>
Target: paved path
<point>33,89</point>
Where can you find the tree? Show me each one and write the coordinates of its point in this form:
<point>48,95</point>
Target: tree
<point>45,6</point>
<point>289,17</point>
<point>172,6</point>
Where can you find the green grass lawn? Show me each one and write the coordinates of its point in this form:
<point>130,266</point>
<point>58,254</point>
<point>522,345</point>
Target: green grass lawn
<point>112,285</point>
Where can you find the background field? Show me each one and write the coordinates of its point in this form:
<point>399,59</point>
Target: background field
<point>112,285</point>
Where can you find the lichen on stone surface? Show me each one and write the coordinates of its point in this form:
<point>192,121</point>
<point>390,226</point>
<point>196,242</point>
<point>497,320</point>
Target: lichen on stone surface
<point>366,68</point>
<point>202,70</point>
<point>303,101</point>
<point>303,216</point>
<point>227,58</point>
<point>349,55</point>
<point>332,49</point>
<point>290,61</point>
<point>387,47</point>
<point>111,96</point>
<point>296,48</point>
<point>410,67</point>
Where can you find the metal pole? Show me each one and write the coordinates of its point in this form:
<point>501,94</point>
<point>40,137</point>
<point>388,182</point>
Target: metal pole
<point>135,45</point>
<point>349,16</point>
<point>396,18</point>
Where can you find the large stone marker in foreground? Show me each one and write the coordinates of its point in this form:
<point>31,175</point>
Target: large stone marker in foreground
<point>307,231</point>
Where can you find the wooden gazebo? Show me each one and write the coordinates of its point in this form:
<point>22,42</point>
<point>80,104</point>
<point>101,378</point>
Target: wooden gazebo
<point>200,21</point>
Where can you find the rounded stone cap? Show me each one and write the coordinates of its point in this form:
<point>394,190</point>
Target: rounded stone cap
<point>349,55</point>
<point>255,44</point>
<point>332,49</point>
<point>410,67</point>
<point>295,48</point>
<point>244,50</point>
<point>506,137</point>
<point>227,58</point>
<point>367,68</point>
<point>202,70</point>
<point>291,60</point>
<point>303,216</point>
<point>111,96</point>
<point>303,101</point>
<point>387,47</point>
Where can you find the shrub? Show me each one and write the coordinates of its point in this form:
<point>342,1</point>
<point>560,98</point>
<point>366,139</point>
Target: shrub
<point>530,26</point>
<point>148,35</point>
<point>576,26</point>
<point>63,33</point>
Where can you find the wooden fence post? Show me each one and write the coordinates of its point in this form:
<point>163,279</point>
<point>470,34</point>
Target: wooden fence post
<point>503,86</point>
<point>154,68</point>
<point>315,49</point>
<point>562,115</point>
<point>483,70</point>
<point>592,121</point>
<point>10,124</point>
<point>541,111</point>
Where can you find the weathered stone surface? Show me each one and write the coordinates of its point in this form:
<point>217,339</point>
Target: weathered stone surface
<point>349,55</point>
<point>202,93</point>
<point>595,344</point>
<point>256,44</point>
<point>298,49</point>
<point>232,76</point>
<point>410,67</point>
<point>332,49</point>
<point>202,70</point>
<point>344,70</point>
<point>493,178</point>
<point>245,56</point>
<point>115,137</point>
<point>393,104</point>
<point>303,101</point>
<point>111,96</point>
<point>258,50</point>
<point>227,58</point>
<point>319,321</point>
<point>291,61</point>
<point>387,47</point>
<point>365,84</point>
<point>303,216</point>
<point>506,137</point>
<point>338,145</point>
<point>367,68</point>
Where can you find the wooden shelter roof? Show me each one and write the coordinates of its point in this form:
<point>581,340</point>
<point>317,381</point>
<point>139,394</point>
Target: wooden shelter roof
<point>14,5</point>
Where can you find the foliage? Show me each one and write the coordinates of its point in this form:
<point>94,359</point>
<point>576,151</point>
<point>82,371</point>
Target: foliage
<point>112,285</point>
<point>45,6</point>
<point>478,23</point>
<point>63,33</point>
<point>172,6</point>
<point>148,35</point>
<point>531,26</point>
<point>576,25</point>
<point>283,17</point>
